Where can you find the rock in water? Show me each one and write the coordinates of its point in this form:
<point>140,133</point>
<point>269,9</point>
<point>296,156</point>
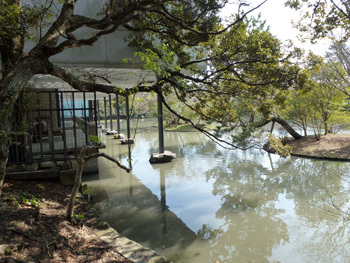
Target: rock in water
<point>127,141</point>
<point>165,157</point>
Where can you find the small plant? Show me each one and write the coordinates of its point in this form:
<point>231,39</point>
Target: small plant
<point>94,140</point>
<point>282,149</point>
<point>29,198</point>
<point>78,217</point>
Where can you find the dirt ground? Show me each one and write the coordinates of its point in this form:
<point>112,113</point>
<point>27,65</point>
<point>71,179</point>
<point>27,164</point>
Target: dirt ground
<point>333,146</point>
<point>33,227</point>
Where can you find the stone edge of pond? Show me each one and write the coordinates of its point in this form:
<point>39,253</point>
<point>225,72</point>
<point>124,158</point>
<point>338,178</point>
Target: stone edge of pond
<point>124,246</point>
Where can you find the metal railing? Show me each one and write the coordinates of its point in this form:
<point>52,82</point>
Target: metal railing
<point>59,124</point>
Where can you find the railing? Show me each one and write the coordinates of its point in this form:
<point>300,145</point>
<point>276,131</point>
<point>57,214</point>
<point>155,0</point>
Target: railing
<point>59,123</point>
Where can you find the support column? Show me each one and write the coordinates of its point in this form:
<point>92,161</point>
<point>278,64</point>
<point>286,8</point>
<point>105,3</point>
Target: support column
<point>160,124</point>
<point>110,112</point>
<point>98,112</point>
<point>105,105</point>
<point>127,117</point>
<point>128,139</point>
<point>162,156</point>
<point>118,112</point>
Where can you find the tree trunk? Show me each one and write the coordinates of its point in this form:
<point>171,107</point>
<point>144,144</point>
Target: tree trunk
<point>325,124</point>
<point>287,127</point>
<point>3,162</point>
<point>77,182</point>
<point>11,87</point>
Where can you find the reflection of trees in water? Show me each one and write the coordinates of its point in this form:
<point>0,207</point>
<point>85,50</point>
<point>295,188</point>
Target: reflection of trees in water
<point>316,190</point>
<point>249,190</point>
<point>252,225</point>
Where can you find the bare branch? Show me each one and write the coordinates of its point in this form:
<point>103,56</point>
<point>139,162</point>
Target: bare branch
<point>108,157</point>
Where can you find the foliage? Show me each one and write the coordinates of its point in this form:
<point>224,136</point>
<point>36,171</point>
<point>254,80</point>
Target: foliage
<point>320,106</point>
<point>321,17</point>
<point>277,145</point>
<point>29,198</point>
<point>95,140</point>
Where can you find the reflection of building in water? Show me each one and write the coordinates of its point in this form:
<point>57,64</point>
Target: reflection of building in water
<point>139,214</point>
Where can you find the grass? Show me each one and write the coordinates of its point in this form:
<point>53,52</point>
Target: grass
<point>186,127</point>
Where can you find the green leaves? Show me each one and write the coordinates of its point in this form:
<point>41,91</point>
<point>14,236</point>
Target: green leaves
<point>320,18</point>
<point>9,18</point>
<point>160,60</point>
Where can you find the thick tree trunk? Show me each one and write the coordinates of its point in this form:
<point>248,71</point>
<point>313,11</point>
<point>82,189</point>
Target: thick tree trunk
<point>3,162</point>
<point>325,124</point>
<point>287,127</point>
<point>11,87</point>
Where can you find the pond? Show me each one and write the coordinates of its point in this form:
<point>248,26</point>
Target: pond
<point>216,205</point>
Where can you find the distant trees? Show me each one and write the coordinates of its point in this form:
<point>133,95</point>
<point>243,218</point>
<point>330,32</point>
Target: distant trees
<point>321,17</point>
<point>322,108</point>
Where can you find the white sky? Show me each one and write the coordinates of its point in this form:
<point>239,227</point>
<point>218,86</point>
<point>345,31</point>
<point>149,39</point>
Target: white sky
<point>279,18</point>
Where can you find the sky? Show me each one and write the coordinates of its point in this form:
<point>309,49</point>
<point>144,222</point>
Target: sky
<point>279,18</point>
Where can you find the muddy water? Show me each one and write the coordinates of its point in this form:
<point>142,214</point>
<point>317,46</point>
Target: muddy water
<point>214,205</point>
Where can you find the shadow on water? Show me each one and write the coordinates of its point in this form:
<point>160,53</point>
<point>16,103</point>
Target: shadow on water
<point>137,213</point>
<point>213,205</point>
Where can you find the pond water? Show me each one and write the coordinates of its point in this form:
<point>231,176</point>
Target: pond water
<point>214,205</point>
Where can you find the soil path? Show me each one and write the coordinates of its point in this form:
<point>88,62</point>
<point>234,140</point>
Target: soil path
<point>331,146</point>
<point>33,227</point>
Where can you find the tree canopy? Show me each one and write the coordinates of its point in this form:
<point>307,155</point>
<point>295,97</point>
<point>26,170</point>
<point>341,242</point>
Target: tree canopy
<point>236,74</point>
<point>321,17</point>
<point>172,37</point>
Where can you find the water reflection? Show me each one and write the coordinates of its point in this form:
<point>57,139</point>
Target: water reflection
<point>213,205</point>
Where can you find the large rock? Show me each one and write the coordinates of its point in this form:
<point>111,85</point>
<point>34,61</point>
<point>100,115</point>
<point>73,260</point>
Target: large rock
<point>165,157</point>
<point>126,141</point>
<point>113,132</point>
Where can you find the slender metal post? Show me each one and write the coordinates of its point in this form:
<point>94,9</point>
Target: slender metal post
<point>105,105</point>
<point>118,113</point>
<point>74,127</point>
<point>64,130</point>
<point>128,129</point>
<point>110,112</point>
<point>85,121</point>
<point>98,112</point>
<point>95,113</point>
<point>127,116</point>
<point>58,108</point>
<point>160,124</point>
<point>40,127</point>
<point>51,134</point>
